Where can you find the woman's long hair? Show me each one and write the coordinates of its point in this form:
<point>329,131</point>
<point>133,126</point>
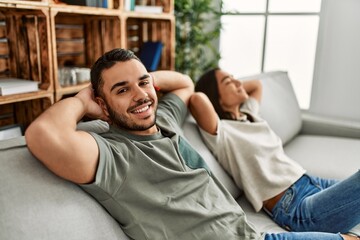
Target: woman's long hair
<point>207,84</point>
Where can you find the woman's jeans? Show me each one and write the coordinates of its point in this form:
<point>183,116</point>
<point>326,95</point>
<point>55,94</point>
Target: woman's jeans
<point>315,204</point>
<point>303,236</point>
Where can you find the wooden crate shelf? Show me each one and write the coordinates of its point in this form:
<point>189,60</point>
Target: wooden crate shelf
<point>79,39</point>
<point>25,49</point>
<point>25,53</point>
<point>168,6</point>
<point>26,96</point>
<point>26,111</point>
<point>7,115</point>
<point>162,16</point>
<point>142,29</point>
<point>27,3</point>
<point>40,37</point>
<point>111,4</point>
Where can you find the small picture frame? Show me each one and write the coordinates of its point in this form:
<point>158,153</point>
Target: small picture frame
<point>10,131</point>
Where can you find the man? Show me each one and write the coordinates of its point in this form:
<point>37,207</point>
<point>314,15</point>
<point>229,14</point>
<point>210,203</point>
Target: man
<point>142,170</point>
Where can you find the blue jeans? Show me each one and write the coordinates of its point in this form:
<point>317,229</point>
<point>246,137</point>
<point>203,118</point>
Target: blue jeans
<point>321,205</point>
<point>303,236</point>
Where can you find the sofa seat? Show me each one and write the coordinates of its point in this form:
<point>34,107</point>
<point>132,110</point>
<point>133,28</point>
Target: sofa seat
<point>36,204</point>
<point>260,220</point>
<point>326,156</point>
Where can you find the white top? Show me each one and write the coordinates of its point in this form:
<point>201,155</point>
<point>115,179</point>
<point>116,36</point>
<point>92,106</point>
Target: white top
<point>253,155</point>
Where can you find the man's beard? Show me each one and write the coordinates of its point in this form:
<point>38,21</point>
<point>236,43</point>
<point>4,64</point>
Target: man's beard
<point>121,121</point>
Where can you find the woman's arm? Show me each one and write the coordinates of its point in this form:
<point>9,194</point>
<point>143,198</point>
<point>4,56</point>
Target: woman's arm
<point>203,112</point>
<point>253,89</point>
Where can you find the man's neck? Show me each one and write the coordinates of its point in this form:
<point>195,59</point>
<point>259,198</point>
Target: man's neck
<point>150,131</point>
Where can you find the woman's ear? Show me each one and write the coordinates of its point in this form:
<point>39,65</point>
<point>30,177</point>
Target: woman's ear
<point>221,103</point>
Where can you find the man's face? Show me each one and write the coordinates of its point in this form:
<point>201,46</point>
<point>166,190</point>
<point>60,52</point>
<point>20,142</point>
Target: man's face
<point>130,99</point>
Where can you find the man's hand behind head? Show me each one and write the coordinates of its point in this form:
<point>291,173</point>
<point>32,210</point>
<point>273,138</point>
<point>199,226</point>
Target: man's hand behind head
<point>93,109</point>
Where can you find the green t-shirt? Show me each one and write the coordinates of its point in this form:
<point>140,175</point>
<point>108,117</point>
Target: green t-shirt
<point>159,187</point>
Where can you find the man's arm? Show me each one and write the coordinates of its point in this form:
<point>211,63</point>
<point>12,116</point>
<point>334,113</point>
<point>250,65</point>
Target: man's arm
<point>253,89</point>
<point>174,82</point>
<point>204,113</point>
<point>53,138</point>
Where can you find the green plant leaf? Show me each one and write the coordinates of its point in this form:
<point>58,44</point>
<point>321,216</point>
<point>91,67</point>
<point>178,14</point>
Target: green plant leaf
<point>197,25</point>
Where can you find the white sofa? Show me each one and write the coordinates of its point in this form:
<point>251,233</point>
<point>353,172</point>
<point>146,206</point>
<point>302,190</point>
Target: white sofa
<point>36,204</point>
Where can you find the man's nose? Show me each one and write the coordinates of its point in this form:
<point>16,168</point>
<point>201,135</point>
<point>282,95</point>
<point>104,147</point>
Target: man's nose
<point>139,94</point>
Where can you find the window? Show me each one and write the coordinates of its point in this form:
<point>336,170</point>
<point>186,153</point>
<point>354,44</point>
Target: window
<point>270,35</point>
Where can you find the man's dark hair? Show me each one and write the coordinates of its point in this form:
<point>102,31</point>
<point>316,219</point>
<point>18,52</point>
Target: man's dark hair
<point>106,61</point>
<point>207,84</point>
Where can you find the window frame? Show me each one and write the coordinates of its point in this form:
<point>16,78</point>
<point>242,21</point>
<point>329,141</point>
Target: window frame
<point>266,14</point>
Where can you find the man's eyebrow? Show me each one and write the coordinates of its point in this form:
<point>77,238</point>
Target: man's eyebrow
<point>118,84</point>
<point>144,76</point>
<point>123,83</point>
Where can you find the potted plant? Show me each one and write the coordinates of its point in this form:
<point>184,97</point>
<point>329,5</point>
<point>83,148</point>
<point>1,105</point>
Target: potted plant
<point>197,30</point>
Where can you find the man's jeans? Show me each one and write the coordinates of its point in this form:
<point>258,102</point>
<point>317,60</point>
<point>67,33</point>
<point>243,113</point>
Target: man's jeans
<point>315,204</point>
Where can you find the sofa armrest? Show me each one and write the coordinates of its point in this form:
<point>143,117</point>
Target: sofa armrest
<point>320,125</point>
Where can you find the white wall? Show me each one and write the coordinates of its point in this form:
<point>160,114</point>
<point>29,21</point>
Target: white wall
<point>336,84</point>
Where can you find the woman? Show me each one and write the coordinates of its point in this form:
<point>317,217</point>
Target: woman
<point>226,111</point>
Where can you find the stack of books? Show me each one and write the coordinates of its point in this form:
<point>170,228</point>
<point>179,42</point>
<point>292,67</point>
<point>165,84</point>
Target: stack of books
<point>10,131</point>
<point>10,86</point>
<point>131,5</point>
<point>89,3</point>
<point>148,9</point>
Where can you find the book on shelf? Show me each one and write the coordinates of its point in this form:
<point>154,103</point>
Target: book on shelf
<point>150,54</point>
<point>89,3</point>
<point>73,2</point>
<point>97,3</point>
<point>105,4</point>
<point>10,86</point>
<point>10,131</point>
<point>148,9</point>
<point>129,5</point>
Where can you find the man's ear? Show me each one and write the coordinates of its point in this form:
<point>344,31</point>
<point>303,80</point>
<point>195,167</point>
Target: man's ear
<point>102,105</point>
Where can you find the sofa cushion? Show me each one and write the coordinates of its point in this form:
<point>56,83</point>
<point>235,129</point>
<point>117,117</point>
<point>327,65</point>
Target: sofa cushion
<point>192,133</point>
<point>36,204</point>
<point>279,105</point>
<point>328,157</point>
<point>260,220</point>
<point>96,126</point>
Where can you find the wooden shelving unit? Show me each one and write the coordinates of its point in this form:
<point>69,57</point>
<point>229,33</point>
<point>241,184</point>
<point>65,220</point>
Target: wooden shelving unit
<point>26,3</point>
<point>80,36</point>
<point>26,54</point>
<point>151,28</point>
<point>40,37</point>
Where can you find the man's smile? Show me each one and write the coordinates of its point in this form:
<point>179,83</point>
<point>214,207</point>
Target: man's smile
<point>141,109</point>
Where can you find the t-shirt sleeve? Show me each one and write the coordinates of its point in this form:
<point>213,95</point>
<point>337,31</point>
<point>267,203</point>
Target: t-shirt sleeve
<point>251,106</point>
<point>171,106</point>
<point>211,140</point>
<point>111,168</point>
